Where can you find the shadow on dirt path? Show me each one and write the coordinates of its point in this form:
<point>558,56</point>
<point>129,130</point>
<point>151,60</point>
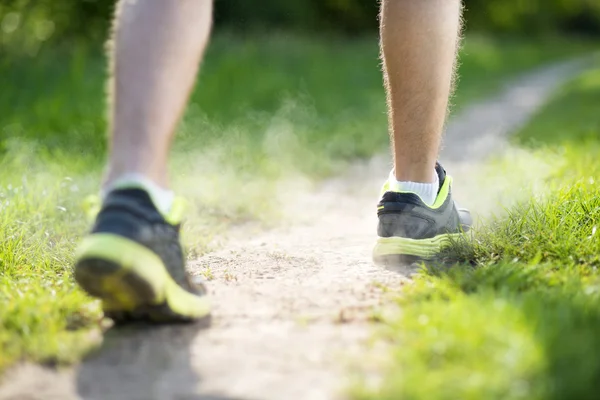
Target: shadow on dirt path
<point>143,362</point>
<point>138,362</point>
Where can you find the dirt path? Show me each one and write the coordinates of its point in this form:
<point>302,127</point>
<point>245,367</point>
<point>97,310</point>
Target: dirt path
<point>292,305</point>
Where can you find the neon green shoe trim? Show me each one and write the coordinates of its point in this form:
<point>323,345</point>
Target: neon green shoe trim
<point>423,248</point>
<point>91,206</point>
<point>443,193</point>
<point>145,266</point>
<point>385,188</point>
<point>177,211</point>
<point>439,200</point>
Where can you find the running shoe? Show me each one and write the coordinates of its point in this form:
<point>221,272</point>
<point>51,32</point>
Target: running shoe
<point>134,262</point>
<point>410,230</point>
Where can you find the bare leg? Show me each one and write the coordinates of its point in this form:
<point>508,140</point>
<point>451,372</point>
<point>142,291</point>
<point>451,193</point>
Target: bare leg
<point>132,259</point>
<point>419,40</point>
<point>158,45</point>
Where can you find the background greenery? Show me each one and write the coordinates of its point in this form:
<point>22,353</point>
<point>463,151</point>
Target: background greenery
<point>30,22</point>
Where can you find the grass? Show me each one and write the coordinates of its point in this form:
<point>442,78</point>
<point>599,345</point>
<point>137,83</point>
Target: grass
<point>520,317</point>
<point>268,108</point>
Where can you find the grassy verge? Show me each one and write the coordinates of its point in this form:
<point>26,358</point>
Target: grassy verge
<point>268,107</point>
<point>522,320</point>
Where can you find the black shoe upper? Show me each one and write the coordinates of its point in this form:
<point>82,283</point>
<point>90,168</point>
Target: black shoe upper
<point>131,213</point>
<point>405,215</point>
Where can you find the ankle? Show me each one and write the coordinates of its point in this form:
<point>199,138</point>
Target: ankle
<point>427,191</point>
<point>161,196</point>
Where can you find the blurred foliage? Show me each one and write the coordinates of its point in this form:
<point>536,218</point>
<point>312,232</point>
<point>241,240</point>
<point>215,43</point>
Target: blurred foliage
<point>534,16</point>
<point>26,24</point>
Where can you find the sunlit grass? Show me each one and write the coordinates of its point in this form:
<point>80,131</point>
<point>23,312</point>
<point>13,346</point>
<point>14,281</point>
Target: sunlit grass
<point>520,319</point>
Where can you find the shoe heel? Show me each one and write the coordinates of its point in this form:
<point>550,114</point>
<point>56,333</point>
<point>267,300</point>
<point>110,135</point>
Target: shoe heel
<point>119,290</point>
<point>133,283</point>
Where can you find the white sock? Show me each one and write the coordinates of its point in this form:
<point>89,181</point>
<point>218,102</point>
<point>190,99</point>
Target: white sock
<point>426,191</point>
<point>161,197</point>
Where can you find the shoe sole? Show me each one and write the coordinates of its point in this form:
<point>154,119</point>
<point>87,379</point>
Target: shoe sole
<point>399,250</point>
<point>133,283</point>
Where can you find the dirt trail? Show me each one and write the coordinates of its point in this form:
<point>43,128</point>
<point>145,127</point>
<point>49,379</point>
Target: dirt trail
<point>291,305</point>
